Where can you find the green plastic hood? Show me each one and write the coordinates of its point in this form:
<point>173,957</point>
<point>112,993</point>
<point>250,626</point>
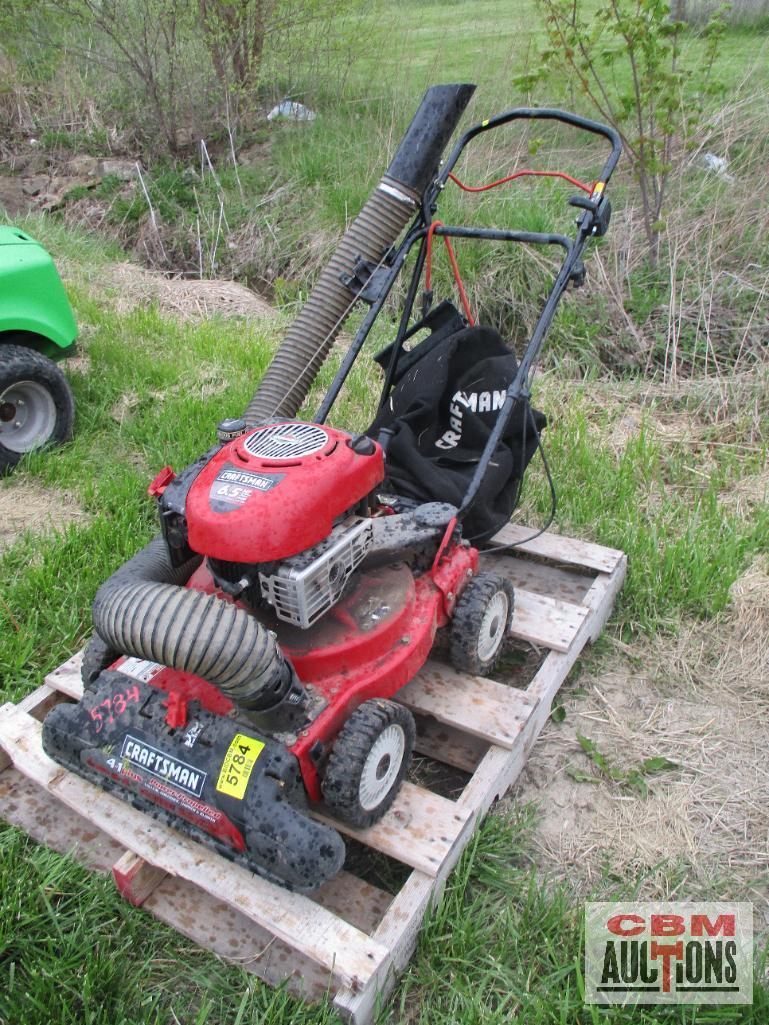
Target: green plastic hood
<point>32,297</point>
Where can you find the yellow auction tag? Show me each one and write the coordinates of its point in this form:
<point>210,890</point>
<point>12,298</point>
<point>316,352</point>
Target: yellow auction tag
<point>237,765</point>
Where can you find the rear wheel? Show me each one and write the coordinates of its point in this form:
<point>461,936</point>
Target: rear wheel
<point>481,622</point>
<point>369,761</point>
<point>36,404</point>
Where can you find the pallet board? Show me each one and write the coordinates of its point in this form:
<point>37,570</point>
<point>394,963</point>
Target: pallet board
<point>351,938</point>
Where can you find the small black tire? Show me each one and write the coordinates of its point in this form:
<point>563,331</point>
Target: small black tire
<point>97,657</point>
<point>369,762</point>
<point>480,624</point>
<point>36,404</point>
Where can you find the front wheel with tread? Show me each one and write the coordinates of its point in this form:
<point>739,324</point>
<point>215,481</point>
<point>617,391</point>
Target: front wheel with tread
<point>36,404</point>
<point>481,623</point>
<point>369,761</point>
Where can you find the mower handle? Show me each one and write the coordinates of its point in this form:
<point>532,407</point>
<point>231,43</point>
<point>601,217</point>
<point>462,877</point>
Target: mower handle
<point>537,114</point>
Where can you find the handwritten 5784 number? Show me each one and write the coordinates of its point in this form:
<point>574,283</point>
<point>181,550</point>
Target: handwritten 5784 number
<point>113,706</point>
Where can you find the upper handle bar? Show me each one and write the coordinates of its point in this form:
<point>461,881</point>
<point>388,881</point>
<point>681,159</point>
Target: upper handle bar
<point>533,114</point>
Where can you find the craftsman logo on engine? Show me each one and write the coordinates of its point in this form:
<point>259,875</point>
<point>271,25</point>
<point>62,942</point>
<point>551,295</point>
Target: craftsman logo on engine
<point>232,487</point>
<point>671,952</point>
<point>162,765</point>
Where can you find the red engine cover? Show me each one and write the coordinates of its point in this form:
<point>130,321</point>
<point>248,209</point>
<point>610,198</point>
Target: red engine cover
<point>277,490</point>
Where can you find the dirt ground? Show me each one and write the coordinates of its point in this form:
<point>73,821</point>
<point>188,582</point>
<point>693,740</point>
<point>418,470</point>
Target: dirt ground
<point>183,298</point>
<point>26,504</point>
<point>700,700</point>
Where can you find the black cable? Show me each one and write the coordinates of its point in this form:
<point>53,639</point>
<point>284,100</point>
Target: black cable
<point>551,483</point>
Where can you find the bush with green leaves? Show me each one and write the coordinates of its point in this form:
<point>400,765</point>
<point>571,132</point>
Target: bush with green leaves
<point>630,61</point>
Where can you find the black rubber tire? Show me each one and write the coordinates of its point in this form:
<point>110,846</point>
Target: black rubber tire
<point>97,657</point>
<point>467,624</point>
<point>19,363</point>
<point>342,778</point>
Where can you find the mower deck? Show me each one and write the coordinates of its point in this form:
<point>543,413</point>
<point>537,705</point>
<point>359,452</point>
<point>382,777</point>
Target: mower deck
<point>350,935</point>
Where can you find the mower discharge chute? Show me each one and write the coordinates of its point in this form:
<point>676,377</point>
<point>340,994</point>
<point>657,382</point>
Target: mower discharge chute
<point>243,664</point>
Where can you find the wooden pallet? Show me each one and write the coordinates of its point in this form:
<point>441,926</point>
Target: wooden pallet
<point>351,937</point>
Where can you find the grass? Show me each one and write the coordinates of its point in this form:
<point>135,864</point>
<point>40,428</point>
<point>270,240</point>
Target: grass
<point>135,970</point>
<point>503,942</point>
<point>638,467</point>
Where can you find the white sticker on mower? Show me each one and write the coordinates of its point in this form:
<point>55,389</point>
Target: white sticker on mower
<point>140,669</point>
<point>162,765</point>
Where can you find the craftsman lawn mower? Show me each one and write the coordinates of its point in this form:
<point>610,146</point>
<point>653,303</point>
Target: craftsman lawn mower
<point>239,684</point>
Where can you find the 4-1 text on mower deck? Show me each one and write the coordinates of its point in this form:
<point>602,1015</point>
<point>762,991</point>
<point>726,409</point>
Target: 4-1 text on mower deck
<point>243,664</point>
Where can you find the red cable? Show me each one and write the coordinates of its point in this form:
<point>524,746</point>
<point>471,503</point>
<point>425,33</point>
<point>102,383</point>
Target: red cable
<point>454,267</point>
<point>483,188</point>
<point>521,174</point>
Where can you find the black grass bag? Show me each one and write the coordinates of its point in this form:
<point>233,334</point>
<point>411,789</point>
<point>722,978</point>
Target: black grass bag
<point>447,395</point>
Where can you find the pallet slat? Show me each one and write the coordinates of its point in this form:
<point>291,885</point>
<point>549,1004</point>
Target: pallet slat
<point>66,679</point>
<point>448,744</point>
<point>546,622</point>
<point>219,927</point>
<point>568,583</point>
<point>350,936</point>
<point>321,936</point>
<point>483,708</point>
<point>418,830</point>
<point>560,549</point>
<point>44,818</point>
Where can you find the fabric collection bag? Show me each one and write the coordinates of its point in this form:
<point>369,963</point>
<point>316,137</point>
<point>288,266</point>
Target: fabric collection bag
<point>446,398</point>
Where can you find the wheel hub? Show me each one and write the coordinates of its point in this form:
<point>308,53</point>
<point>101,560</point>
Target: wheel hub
<point>27,416</point>
<point>381,767</point>
<point>493,625</point>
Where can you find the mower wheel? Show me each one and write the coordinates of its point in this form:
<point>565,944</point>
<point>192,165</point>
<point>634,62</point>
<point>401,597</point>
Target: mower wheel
<point>368,763</point>
<point>36,404</point>
<point>480,624</point>
<point>96,658</point>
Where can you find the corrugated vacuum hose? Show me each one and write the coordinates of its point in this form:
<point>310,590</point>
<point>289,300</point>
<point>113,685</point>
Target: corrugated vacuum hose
<point>144,610</point>
<point>308,340</point>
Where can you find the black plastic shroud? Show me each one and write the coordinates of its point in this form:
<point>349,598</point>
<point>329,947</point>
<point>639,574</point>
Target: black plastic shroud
<point>416,161</point>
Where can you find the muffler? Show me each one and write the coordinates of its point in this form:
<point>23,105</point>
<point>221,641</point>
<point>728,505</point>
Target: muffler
<point>308,340</point>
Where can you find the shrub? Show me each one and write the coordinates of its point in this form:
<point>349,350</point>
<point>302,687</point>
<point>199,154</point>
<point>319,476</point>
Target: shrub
<point>630,65</point>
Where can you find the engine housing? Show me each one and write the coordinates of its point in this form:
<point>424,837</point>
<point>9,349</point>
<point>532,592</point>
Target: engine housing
<point>278,490</point>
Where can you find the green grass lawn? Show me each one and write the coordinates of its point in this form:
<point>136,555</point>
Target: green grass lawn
<point>505,944</point>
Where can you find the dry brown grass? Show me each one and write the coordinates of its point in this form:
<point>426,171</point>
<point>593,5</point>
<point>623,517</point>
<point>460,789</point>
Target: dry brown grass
<point>700,699</point>
<point>716,316</point>
<point>706,310</point>
<point>739,12</point>
<point>26,504</point>
<point>183,298</point>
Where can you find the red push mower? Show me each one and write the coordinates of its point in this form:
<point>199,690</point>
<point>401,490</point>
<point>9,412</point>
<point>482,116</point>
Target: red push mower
<point>243,665</point>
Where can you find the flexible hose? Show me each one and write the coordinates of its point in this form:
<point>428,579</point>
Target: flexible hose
<point>308,340</point>
<point>143,610</point>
